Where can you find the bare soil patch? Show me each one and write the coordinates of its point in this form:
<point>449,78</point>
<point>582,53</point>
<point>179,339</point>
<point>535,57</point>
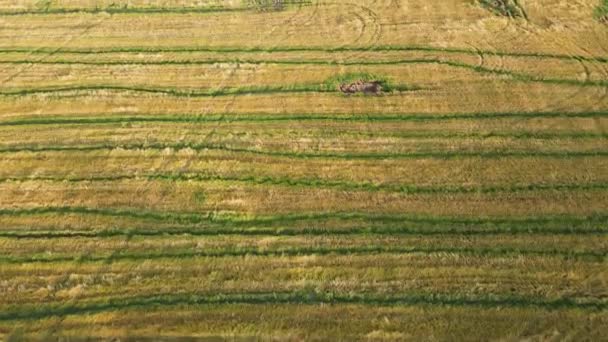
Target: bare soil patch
<point>360,86</point>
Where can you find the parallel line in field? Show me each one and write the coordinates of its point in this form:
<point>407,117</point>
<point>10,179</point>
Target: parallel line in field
<point>303,88</point>
<point>229,118</point>
<point>195,218</point>
<point>335,132</point>
<point>303,251</point>
<point>263,298</point>
<point>143,10</point>
<point>308,155</point>
<point>321,183</point>
<point>118,10</point>
<point>407,134</point>
<point>296,88</point>
<point>480,69</point>
<point>375,48</point>
<point>60,233</point>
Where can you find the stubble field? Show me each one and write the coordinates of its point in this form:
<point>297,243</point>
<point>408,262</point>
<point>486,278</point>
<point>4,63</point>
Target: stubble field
<point>179,169</point>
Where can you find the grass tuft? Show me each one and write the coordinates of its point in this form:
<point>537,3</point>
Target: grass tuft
<point>506,8</point>
<point>601,11</point>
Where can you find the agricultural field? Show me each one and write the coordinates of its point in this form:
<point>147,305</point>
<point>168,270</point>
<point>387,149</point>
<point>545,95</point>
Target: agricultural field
<point>344,170</point>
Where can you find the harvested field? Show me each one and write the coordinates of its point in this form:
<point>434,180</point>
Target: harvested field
<point>303,170</point>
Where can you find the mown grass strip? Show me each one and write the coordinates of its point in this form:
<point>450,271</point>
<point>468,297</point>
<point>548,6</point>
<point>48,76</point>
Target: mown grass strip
<point>324,183</point>
<point>296,297</point>
<point>168,91</point>
<point>125,9</point>
<point>296,88</point>
<point>259,117</point>
<point>310,88</point>
<point>240,221</point>
<point>309,155</point>
<point>302,251</point>
<point>259,49</point>
<point>347,132</point>
<point>476,68</point>
<point>415,229</point>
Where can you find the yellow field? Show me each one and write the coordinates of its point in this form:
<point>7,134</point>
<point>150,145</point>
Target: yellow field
<point>179,170</point>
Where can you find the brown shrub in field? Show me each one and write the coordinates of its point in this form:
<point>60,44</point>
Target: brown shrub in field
<point>360,86</point>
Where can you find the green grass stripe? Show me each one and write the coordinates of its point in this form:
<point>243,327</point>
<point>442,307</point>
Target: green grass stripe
<point>524,77</point>
<point>296,297</point>
<point>260,117</point>
<point>323,132</point>
<point>414,229</point>
<point>296,88</point>
<point>479,69</point>
<point>142,10</point>
<point>324,183</point>
<point>123,10</point>
<point>259,49</point>
<point>174,91</point>
<point>309,88</point>
<point>309,155</point>
<point>597,255</point>
<point>236,220</point>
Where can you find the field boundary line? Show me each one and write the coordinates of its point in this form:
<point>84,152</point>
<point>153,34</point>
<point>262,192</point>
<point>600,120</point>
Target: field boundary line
<point>322,183</point>
<point>375,48</point>
<point>301,251</point>
<point>413,230</point>
<point>236,219</point>
<point>306,155</point>
<point>301,297</point>
<point>261,117</point>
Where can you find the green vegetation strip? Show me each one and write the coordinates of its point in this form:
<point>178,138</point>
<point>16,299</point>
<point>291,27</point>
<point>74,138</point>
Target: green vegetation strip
<point>125,9</point>
<point>300,251</point>
<point>601,11</point>
<point>376,48</point>
<point>414,229</point>
<point>324,132</point>
<point>312,88</point>
<point>308,155</point>
<point>480,69</point>
<point>303,297</point>
<point>307,88</point>
<point>229,117</point>
<point>324,183</point>
<point>239,221</point>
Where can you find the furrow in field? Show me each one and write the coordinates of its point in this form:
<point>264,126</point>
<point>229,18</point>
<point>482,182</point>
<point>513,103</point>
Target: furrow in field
<point>318,322</point>
<point>119,10</point>
<point>383,273</point>
<point>163,247</point>
<point>111,118</point>
<point>310,218</point>
<point>209,197</point>
<point>506,95</point>
<point>295,251</point>
<point>100,82</point>
<point>317,183</point>
<point>594,150</point>
<point>34,233</point>
<point>299,49</point>
<point>206,72</point>
<point>283,298</point>
<point>175,91</point>
<point>423,173</point>
<point>544,135</point>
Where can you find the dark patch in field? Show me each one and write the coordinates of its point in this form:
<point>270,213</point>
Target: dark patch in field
<point>507,8</point>
<point>360,86</point>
